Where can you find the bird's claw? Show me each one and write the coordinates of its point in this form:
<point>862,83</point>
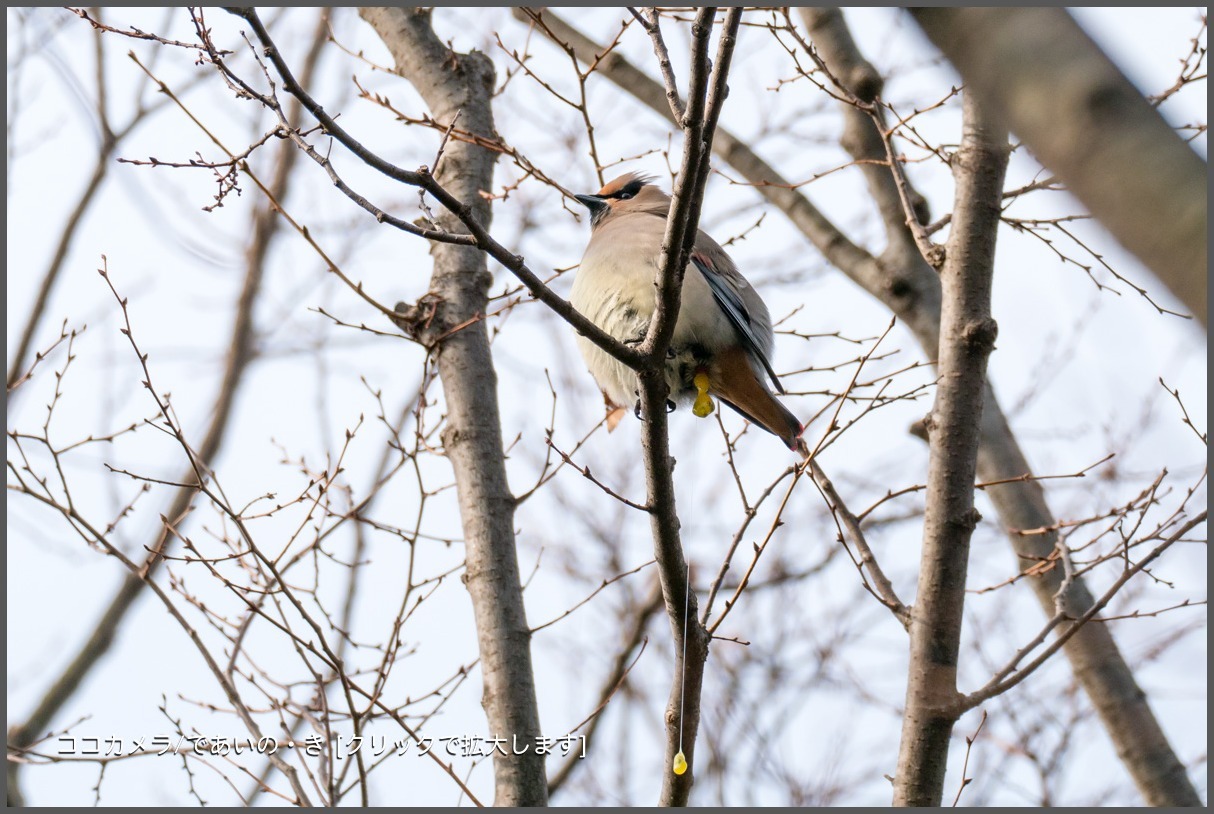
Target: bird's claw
<point>636,408</point>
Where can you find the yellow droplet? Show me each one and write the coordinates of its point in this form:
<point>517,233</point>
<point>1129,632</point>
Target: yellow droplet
<point>680,763</point>
<point>703,406</point>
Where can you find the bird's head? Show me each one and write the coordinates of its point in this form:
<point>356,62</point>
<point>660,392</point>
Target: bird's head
<point>631,192</point>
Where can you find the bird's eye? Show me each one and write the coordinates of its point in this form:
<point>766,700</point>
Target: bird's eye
<point>630,191</point>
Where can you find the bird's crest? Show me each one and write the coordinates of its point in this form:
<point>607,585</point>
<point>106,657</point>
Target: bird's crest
<point>617,185</point>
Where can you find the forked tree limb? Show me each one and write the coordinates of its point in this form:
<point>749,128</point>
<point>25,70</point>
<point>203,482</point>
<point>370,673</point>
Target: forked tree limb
<point>1095,659</point>
<point>705,95</point>
<point>240,355</point>
<point>462,85</point>
<point>903,281</point>
<point>1088,124</point>
<point>967,337</point>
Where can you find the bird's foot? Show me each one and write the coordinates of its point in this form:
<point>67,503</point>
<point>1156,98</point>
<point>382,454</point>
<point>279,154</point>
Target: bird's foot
<point>636,408</point>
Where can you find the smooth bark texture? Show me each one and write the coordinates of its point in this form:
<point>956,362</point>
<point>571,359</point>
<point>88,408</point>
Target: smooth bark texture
<point>462,84</point>
<point>902,280</point>
<point>1086,122</point>
<point>967,336</point>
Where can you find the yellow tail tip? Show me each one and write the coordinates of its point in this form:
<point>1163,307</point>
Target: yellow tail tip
<point>703,406</point>
<point>680,763</point>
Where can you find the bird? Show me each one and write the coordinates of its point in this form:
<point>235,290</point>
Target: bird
<point>723,341</point>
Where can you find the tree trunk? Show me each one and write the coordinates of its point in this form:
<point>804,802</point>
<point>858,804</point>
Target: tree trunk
<point>903,281</point>
<point>967,336</point>
<point>1086,122</point>
<point>463,84</point>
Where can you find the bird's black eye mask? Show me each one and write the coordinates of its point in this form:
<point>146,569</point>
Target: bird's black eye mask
<point>628,191</point>
<point>599,205</point>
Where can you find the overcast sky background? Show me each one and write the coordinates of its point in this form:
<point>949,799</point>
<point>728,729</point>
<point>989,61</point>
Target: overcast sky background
<point>1078,369</point>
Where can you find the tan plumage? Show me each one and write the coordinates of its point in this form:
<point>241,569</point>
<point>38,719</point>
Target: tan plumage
<point>723,328</point>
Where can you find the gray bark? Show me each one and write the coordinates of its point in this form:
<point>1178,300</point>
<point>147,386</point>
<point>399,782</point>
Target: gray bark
<point>967,336</point>
<point>902,280</point>
<point>463,84</point>
<point>1086,122</point>
<point>705,95</point>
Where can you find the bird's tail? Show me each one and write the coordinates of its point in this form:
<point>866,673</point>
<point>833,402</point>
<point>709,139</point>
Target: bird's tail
<point>735,382</point>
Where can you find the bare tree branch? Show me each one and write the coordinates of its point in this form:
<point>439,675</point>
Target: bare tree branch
<point>614,679</point>
<point>690,637</point>
<point>462,84</point>
<point>1013,674</point>
<point>476,234</point>
<point>902,280</point>
<point>1088,124</point>
<point>884,589</point>
<point>111,137</point>
<point>967,339</point>
<point>327,611</point>
<point>239,356</point>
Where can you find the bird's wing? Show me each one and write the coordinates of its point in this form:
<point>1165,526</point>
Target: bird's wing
<point>724,281</point>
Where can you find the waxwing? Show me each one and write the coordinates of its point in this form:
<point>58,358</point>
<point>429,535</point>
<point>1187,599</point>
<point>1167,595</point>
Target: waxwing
<point>722,340</point>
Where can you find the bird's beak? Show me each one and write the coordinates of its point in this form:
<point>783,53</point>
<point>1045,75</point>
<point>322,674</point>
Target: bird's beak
<point>597,206</point>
